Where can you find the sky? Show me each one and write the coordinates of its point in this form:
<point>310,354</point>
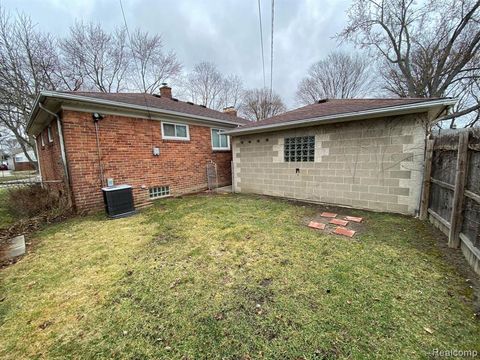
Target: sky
<point>225,32</point>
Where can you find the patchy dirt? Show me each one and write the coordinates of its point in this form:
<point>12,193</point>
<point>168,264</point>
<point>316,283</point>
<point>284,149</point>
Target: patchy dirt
<point>27,227</point>
<point>451,256</point>
<point>455,258</point>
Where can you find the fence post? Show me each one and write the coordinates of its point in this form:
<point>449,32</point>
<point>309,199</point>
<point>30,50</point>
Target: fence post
<point>460,178</point>
<point>427,175</point>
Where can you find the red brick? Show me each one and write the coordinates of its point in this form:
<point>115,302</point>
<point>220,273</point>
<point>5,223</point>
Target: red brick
<point>328,215</point>
<point>126,152</point>
<point>339,222</point>
<point>344,231</point>
<point>354,219</point>
<point>316,225</point>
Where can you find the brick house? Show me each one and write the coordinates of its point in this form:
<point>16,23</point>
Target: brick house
<point>155,143</point>
<point>363,153</point>
<point>18,161</point>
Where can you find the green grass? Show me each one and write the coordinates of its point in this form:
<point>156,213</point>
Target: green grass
<point>233,277</point>
<point>16,175</point>
<point>6,218</point>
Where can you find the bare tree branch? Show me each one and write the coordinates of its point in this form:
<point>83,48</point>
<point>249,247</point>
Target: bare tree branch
<point>259,104</point>
<point>338,76</point>
<point>429,49</point>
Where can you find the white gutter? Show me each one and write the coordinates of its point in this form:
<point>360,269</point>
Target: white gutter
<point>341,117</point>
<point>117,104</point>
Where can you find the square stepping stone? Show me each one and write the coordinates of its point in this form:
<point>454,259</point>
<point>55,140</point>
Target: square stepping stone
<point>328,215</point>
<point>344,231</point>
<point>354,219</point>
<point>316,225</point>
<point>339,222</point>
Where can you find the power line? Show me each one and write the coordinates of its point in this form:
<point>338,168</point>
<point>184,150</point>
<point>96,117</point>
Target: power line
<point>134,58</point>
<point>261,41</point>
<point>271,50</point>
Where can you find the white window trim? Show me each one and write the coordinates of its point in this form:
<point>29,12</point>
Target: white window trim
<point>219,148</point>
<point>49,134</point>
<point>166,137</point>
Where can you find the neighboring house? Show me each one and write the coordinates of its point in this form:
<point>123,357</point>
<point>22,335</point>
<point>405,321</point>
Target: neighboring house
<point>364,153</point>
<point>18,161</point>
<point>155,143</point>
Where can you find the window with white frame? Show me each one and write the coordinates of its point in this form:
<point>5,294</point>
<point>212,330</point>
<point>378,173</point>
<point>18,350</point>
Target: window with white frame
<point>220,141</point>
<point>49,133</point>
<point>174,131</point>
<point>159,192</point>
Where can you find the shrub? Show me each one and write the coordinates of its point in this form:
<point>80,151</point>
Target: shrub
<point>30,201</point>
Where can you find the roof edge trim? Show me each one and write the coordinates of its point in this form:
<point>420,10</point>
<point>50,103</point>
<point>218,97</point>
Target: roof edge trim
<point>72,97</point>
<point>342,116</point>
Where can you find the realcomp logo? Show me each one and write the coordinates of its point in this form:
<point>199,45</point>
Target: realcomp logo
<point>455,353</point>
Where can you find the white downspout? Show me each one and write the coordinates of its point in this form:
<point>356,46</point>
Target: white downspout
<point>38,161</point>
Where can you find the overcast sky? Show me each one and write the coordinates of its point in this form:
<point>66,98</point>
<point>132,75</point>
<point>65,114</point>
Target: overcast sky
<point>225,32</point>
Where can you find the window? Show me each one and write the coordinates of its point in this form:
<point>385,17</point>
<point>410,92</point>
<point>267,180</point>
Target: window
<point>175,131</point>
<point>220,141</point>
<point>159,192</point>
<point>43,139</point>
<point>49,133</point>
<point>300,148</point>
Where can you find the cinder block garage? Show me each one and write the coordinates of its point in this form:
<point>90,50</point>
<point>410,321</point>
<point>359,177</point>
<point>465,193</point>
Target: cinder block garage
<point>363,153</point>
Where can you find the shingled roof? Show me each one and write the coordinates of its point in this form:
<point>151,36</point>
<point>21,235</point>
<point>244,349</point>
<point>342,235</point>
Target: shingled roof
<point>157,102</point>
<point>334,110</point>
<point>334,107</point>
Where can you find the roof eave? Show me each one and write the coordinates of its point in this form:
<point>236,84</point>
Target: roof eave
<point>72,97</point>
<point>329,119</point>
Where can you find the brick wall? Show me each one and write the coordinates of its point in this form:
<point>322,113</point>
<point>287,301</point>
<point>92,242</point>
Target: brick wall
<point>23,166</point>
<point>50,160</point>
<point>372,164</point>
<point>126,154</point>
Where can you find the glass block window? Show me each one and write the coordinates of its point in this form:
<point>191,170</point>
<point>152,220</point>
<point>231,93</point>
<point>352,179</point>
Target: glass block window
<point>300,148</point>
<point>159,191</point>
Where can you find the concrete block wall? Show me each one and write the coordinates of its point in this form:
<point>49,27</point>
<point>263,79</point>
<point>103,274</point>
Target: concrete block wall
<point>374,164</point>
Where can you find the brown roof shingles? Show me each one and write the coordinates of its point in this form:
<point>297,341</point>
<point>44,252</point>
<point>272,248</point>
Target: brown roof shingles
<point>159,103</point>
<point>334,107</point>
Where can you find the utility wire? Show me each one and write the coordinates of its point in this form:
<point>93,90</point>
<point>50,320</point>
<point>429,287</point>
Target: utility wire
<point>261,42</point>
<point>134,58</point>
<point>271,51</point>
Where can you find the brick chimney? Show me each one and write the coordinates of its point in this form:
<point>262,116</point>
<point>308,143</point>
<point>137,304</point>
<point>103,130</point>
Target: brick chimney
<point>230,111</point>
<point>165,91</point>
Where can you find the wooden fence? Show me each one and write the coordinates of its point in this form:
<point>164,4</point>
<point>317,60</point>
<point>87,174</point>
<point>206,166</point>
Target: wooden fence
<point>451,190</point>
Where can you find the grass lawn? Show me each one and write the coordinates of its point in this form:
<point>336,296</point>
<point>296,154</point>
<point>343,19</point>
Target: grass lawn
<point>6,218</point>
<point>233,276</point>
<point>16,175</point>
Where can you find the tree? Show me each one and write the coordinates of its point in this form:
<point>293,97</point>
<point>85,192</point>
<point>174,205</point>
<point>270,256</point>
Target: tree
<point>99,60</point>
<point>205,85</point>
<point>89,58</point>
<point>428,49</point>
<point>338,76</point>
<point>28,64</point>
<point>259,104</point>
<point>153,65</point>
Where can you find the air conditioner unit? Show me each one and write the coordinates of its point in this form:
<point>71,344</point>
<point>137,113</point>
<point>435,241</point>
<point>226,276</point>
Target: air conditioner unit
<point>118,201</point>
